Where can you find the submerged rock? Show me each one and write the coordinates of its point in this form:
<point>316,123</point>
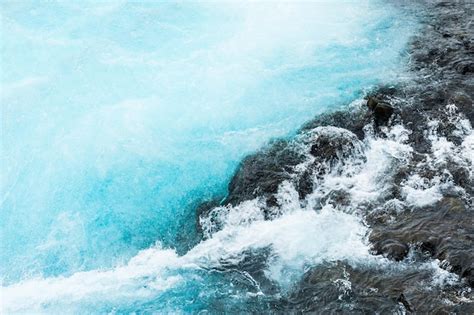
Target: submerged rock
<point>393,249</point>
<point>444,231</point>
<point>340,288</point>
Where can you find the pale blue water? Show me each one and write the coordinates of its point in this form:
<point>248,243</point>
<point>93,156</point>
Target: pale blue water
<point>119,117</point>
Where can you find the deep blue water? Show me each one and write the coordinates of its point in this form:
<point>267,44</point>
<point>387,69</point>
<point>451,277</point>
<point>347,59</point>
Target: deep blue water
<point>119,117</point>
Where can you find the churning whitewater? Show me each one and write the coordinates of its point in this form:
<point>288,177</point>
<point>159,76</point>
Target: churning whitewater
<point>154,159</point>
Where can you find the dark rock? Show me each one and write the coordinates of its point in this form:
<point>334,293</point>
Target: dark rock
<point>444,231</point>
<point>332,147</point>
<point>353,120</point>
<point>249,270</point>
<point>394,249</point>
<point>465,67</point>
<point>429,246</point>
<point>260,174</point>
<point>323,148</point>
<point>402,299</point>
<point>335,145</point>
<point>340,288</point>
<point>382,111</point>
<point>272,201</point>
<point>372,103</point>
<point>464,103</point>
<point>461,98</point>
<point>305,184</point>
<point>468,274</point>
<point>205,206</point>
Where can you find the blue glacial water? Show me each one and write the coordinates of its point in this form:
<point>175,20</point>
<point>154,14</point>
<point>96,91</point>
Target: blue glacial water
<point>118,118</point>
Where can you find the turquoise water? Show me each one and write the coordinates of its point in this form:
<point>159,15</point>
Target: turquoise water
<point>119,117</point>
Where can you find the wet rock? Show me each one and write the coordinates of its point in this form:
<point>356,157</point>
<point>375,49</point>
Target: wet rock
<point>333,149</point>
<point>372,103</point>
<point>381,111</point>
<point>248,270</point>
<point>402,299</point>
<point>261,174</point>
<point>203,210</point>
<point>323,148</point>
<point>272,201</point>
<point>430,246</point>
<point>468,274</point>
<point>305,184</point>
<point>394,249</point>
<point>462,99</point>
<point>339,288</point>
<point>352,119</point>
<point>464,103</point>
<point>333,145</point>
<point>461,177</point>
<point>330,147</point>
<point>444,231</point>
<point>465,67</point>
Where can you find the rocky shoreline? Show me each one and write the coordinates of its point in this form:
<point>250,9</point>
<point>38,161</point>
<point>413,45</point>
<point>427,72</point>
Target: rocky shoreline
<point>423,212</point>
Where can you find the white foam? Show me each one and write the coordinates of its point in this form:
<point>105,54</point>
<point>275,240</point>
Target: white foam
<point>297,239</point>
<point>441,277</point>
<point>142,277</point>
<point>368,181</point>
<point>468,151</point>
<point>421,192</point>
